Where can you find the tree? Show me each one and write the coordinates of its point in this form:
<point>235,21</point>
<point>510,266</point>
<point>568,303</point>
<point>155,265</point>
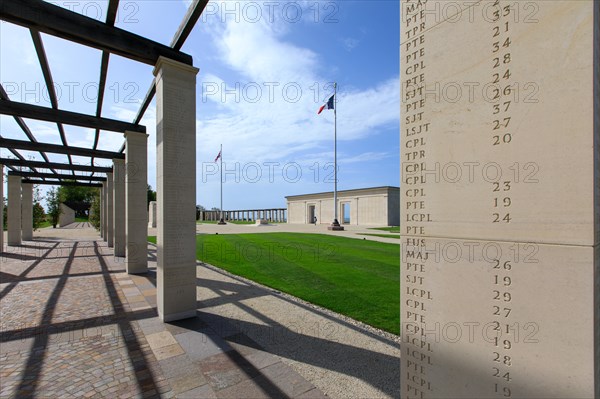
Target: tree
<point>39,215</point>
<point>151,194</point>
<point>95,210</point>
<point>77,198</point>
<point>53,202</point>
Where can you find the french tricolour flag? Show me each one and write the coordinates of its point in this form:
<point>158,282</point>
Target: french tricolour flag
<point>328,105</point>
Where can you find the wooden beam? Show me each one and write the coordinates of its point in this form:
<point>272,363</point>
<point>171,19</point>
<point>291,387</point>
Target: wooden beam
<point>57,21</point>
<point>55,165</point>
<point>192,15</point>
<point>56,176</point>
<point>61,183</point>
<point>111,15</point>
<point>67,117</point>
<point>185,28</point>
<point>43,60</point>
<point>22,125</point>
<point>58,149</point>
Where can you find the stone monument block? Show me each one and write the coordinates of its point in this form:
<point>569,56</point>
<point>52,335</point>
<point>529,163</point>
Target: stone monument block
<point>500,199</point>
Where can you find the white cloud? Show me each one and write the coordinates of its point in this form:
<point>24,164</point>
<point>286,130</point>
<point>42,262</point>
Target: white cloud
<point>350,43</point>
<point>276,124</point>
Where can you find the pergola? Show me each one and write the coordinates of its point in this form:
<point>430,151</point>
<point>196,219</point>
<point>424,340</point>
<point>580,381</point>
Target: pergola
<point>123,185</point>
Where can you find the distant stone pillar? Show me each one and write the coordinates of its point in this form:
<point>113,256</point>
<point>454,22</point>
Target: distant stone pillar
<point>27,211</point>
<point>109,210</point>
<point>119,207</point>
<point>104,210</point>
<point>14,210</point>
<point>176,189</point>
<point>152,215</point>
<point>136,197</point>
<point>1,208</point>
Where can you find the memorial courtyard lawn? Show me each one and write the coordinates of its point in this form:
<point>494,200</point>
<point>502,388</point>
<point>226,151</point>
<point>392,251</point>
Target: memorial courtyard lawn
<point>357,278</point>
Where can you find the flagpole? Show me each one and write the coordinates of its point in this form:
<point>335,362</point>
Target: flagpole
<point>221,221</point>
<point>336,224</point>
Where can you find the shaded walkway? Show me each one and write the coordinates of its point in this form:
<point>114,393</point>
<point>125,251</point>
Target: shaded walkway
<point>74,324</point>
<point>65,330</point>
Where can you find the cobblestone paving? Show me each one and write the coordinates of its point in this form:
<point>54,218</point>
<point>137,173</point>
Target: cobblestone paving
<point>74,325</point>
<point>66,329</point>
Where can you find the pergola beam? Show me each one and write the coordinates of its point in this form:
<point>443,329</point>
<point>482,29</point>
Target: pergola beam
<point>56,176</point>
<point>67,117</point>
<point>60,22</point>
<point>185,28</point>
<point>55,165</point>
<point>61,183</point>
<point>59,149</point>
<point>111,15</point>
<point>43,60</point>
<point>23,126</point>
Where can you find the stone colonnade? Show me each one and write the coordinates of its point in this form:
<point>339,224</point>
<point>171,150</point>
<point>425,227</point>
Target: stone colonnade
<point>276,215</point>
<point>123,210</point>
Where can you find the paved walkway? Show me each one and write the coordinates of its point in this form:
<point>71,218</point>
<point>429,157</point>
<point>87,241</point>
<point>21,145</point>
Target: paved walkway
<point>74,324</point>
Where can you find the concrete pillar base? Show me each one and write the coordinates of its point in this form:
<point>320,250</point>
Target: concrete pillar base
<point>177,316</point>
<point>335,226</point>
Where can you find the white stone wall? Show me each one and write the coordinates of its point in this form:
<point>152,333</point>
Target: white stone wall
<point>368,207</point>
<point>67,216</point>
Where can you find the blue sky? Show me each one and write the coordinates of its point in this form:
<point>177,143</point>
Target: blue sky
<point>265,69</point>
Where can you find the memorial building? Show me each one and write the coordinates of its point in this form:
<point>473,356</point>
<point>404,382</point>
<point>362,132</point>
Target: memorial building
<point>374,206</point>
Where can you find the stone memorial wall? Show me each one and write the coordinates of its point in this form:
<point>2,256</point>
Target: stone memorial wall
<point>500,190</point>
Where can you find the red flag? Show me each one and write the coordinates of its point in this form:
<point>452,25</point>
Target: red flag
<point>218,156</point>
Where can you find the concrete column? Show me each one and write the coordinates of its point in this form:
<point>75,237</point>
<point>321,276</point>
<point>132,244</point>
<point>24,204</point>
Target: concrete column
<point>136,199</point>
<point>119,206</point>
<point>27,211</point>
<point>14,210</point>
<point>176,189</point>
<point>152,214</point>
<point>1,208</point>
<point>109,210</point>
<point>104,212</point>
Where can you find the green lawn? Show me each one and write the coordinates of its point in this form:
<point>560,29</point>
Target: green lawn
<point>81,220</point>
<point>381,235</point>
<point>391,229</point>
<point>44,224</point>
<point>357,278</point>
<point>230,221</point>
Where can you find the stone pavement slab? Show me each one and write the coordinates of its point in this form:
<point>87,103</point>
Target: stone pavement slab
<point>74,324</point>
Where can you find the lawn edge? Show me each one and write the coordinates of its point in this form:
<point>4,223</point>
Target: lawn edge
<point>368,329</point>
